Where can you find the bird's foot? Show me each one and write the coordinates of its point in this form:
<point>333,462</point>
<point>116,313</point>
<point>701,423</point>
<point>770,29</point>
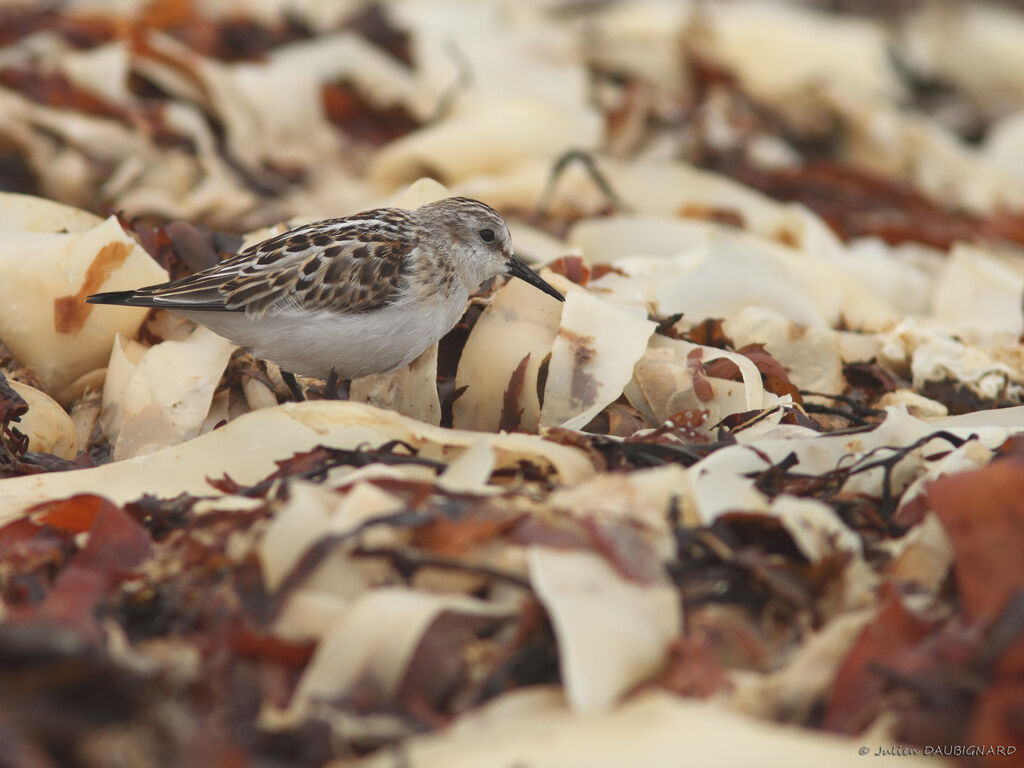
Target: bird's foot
<point>335,388</point>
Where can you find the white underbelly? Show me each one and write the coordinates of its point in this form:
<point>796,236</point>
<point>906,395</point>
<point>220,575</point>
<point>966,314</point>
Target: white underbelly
<point>311,344</point>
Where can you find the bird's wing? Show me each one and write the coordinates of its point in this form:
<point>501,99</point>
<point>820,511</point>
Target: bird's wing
<point>349,265</point>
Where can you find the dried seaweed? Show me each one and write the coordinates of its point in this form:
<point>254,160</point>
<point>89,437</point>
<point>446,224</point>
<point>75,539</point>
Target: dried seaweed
<point>854,412</point>
<point>856,203</point>
<point>774,374</point>
<point>778,477</point>
<point>572,268</point>
<point>177,625</point>
<point>667,446</point>
<point>13,444</point>
<point>358,118</point>
<point>511,413</point>
<point>314,465</point>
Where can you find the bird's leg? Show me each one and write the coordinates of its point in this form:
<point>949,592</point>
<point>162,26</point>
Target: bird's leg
<point>335,388</point>
<point>293,385</point>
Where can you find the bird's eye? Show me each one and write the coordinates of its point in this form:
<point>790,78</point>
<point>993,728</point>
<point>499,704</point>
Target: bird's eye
<point>487,235</point>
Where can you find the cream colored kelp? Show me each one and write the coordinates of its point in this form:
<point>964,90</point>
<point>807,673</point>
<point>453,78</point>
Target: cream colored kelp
<point>751,493</point>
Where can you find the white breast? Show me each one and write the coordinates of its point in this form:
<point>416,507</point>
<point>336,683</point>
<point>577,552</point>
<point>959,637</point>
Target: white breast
<point>312,343</point>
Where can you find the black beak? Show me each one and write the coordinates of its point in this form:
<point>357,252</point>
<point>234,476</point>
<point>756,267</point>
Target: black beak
<point>517,268</point>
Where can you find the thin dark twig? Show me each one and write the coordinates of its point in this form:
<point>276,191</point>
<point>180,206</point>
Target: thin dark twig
<point>315,555</point>
<point>859,408</point>
<point>851,416</point>
<point>899,453</point>
<point>841,474</point>
<point>888,464</point>
<point>339,457</point>
<point>412,560</point>
<point>652,454</point>
<point>463,80</point>
<point>590,165</point>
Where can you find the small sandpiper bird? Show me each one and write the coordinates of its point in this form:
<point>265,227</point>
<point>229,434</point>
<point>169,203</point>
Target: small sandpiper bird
<point>352,296</point>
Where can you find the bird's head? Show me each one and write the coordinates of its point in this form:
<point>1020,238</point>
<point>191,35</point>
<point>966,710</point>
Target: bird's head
<point>478,239</point>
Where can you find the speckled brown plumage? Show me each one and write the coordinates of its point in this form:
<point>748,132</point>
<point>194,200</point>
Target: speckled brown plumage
<point>350,265</point>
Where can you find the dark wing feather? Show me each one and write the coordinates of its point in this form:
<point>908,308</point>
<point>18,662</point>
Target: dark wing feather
<point>350,265</point>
